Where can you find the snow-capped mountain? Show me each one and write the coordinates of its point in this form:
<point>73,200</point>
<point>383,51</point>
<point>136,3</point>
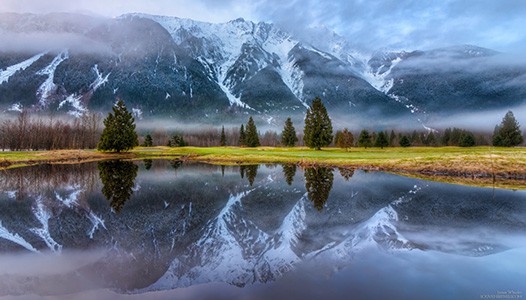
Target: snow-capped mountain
<point>453,79</point>
<point>171,67</point>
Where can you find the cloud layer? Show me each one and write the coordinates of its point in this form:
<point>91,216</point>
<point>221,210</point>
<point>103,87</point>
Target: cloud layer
<point>398,24</point>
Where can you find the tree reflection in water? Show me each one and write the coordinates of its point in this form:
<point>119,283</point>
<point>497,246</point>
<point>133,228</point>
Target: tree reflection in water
<point>148,164</point>
<point>289,170</point>
<point>318,182</point>
<point>346,173</point>
<point>176,164</point>
<point>250,172</point>
<point>118,180</point>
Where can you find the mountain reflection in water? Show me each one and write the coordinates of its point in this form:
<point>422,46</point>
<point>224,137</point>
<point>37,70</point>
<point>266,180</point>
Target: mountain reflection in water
<point>138,227</point>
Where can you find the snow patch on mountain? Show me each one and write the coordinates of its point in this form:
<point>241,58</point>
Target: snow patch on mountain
<point>72,199</point>
<point>43,215</point>
<point>288,69</point>
<point>379,79</point>
<point>18,107</point>
<point>96,221</point>
<point>48,87</point>
<point>100,80</point>
<point>74,101</point>
<point>10,71</point>
<point>15,238</point>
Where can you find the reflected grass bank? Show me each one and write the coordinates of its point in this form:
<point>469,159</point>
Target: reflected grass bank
<point>478,166</point>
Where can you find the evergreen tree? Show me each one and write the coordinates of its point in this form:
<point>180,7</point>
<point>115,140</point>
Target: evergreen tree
<point>344,139</point>
<point>148,141</point>
<point>288,136</point>
<point>318,126</point>
<point>381,140</point>
<point>223,137</point>
<point>364,140</point>
<point>456,134</point>
<point>508,133</point>
<point>119,130</point>
<point>405,142</point>
<point>467,139</point>
<point>415,138</point>
<point>242,136</point>
<point>431,139</point>
<point>251,134</point>
<point>177,141</point>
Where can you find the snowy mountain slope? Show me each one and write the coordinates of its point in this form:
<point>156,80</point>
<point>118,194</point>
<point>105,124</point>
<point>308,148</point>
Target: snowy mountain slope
<point>179,68</point>
<point>454,79</point>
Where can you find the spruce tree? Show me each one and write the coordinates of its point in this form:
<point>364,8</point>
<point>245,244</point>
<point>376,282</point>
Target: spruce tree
<point>364,140</point>
<point>404,141</point>
<point>148,141</point>
<point>251,134</point>
<point>288,136</point>
<point>381,140</point>
<point>467,139</point>
<point>223,137</point>
<point>508,133</point>
<point>119,130</point>
<point>242,136</point>
<point>318,127</point>
<point>431,139</point>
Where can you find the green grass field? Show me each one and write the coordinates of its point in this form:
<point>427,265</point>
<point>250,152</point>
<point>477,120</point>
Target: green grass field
<point>445,163</point>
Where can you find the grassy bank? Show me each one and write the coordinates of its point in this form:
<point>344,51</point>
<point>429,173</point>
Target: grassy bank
<point>477,165</point>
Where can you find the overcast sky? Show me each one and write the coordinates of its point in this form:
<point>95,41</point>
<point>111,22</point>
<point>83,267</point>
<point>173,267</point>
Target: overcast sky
<point>397,24</point>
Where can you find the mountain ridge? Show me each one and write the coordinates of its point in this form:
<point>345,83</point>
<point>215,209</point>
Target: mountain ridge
<point>172,67</point>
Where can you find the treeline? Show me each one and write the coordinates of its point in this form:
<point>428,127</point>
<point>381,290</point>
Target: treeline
<point>428,138</point>
<point>26,133</point>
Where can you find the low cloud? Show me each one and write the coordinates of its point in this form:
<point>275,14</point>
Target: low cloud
<point>37,42</point>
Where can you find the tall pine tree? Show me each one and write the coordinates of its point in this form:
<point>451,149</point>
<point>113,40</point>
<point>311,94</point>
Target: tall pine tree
<point>148,141</point>
<point>288,136</point>
<point>318,126</point>
<point>119,131</point>
<point>364,140</point>
<point>381,140</point>
<point>508,133</point>
<point>222,142</point>
<point>251,134</point>
<point>242,136</point>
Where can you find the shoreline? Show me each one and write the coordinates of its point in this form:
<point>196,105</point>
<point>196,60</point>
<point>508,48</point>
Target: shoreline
<point>478,166</point>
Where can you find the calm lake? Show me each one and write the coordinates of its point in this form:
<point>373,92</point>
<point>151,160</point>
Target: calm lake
<point>166,229</point>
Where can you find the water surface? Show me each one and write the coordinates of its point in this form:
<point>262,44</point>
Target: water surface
<point>165,229</point>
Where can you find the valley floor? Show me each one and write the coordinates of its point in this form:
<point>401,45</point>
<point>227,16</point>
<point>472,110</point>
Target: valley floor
<point>482,166</point>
